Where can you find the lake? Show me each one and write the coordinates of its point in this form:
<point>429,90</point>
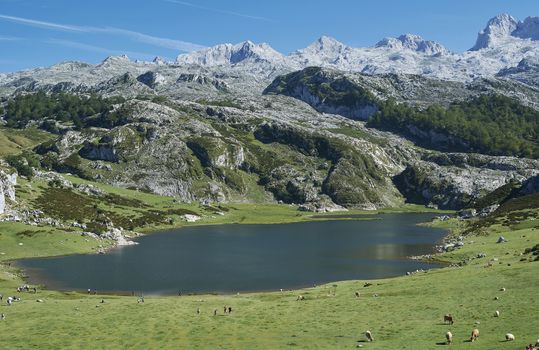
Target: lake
<point>239,258</point>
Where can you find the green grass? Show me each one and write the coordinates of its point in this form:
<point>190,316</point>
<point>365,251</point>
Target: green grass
<point>407,314</point>
<point>14,141</point>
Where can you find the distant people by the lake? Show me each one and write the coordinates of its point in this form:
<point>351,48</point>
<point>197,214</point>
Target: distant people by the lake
<point>225,309</point>
<point>229,310</point>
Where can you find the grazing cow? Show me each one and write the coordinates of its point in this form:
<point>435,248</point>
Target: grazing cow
<point>475,335</point>
<point>509,337</point>
<point>369,336</point>
<point>448,318</point>
<point>496,313</point>
<point>300,297</point>
<point>449,337</point>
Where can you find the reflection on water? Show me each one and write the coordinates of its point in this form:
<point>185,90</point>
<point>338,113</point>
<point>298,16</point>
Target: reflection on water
<point>230,258</point>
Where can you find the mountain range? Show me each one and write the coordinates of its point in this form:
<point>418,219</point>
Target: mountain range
<point>246,123</point>
<point>503,43</point>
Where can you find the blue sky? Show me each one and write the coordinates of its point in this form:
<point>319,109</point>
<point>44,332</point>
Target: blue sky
<point>43,32</point>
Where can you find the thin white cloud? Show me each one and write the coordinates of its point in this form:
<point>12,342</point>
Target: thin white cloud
<point>205,8</point>
<point>152,40</point>
<point>133,35</point>
<point>9,38</point>
<point>92,48</point>
<point>42,24</point>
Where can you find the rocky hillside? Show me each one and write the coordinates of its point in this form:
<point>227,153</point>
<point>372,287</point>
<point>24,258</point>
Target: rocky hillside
<point>243,123</point>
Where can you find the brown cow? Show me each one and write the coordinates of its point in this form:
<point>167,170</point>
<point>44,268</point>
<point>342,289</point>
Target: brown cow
<point>448,318</point>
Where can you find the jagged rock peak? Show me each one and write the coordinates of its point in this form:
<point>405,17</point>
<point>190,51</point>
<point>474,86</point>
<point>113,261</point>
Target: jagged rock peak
<point>413,42</point>
<point>114,59</point>
<point>497,28</point>
<point>231,54</point>
<point>159,60</point>
<point>325,43</point>
<point>528,29</point>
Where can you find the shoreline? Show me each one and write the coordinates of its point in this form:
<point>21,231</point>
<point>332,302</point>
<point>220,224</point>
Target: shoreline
<point>19,270</point>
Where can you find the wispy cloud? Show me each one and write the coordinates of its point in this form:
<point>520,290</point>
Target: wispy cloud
<point>133,35</point>
<point>9,38</point>
<point>92,48</point>
<point>152,40</point>
<point>225,12</point>
<point>42,24</point>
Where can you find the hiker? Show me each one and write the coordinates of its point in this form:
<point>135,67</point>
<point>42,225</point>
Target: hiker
<point>229,310</point>
<point>2,317</point>
<point>214,312</point>
<point>89,290</point>
<point>225,309</point>
<point>198,311</point>
<point>35,290</point>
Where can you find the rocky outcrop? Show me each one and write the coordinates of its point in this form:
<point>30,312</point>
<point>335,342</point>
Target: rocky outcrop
<point>7,189</point>
<point>456,180</point>
<point>326,91</point>
<point>203,80</point>
<point>151,79</point>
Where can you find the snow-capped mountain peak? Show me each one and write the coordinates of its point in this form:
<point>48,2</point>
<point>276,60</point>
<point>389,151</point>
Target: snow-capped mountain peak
<point>412,42</point>
<point>231,54</point>
<point>528,29</point>
<point>497,29</point>
<point>324,50</point>
<point>159,60</point>
<point>502,44</point>
<point>325,44</point>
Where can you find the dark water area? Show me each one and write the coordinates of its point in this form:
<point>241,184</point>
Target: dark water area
<point>240,258</point>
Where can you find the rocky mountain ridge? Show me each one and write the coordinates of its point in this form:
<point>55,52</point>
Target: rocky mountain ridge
<point>245,123</point>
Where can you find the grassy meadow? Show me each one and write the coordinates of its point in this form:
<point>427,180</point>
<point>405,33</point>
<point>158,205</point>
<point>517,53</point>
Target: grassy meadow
<point>402,313</point>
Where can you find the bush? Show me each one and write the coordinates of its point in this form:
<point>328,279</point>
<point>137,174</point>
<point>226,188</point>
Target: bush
<point>24,163</point>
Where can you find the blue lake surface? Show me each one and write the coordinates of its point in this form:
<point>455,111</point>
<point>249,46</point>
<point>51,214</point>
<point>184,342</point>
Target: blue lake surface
<point>240,258</point>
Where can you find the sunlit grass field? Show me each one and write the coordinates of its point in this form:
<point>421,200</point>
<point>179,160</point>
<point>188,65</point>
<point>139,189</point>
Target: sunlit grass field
<point>402,313</point>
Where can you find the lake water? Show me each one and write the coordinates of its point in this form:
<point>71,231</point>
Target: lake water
<point>232,258</point>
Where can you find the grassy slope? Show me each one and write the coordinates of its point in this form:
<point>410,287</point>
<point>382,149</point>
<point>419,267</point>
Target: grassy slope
<point>407,313</point>
<point>14,141</point>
